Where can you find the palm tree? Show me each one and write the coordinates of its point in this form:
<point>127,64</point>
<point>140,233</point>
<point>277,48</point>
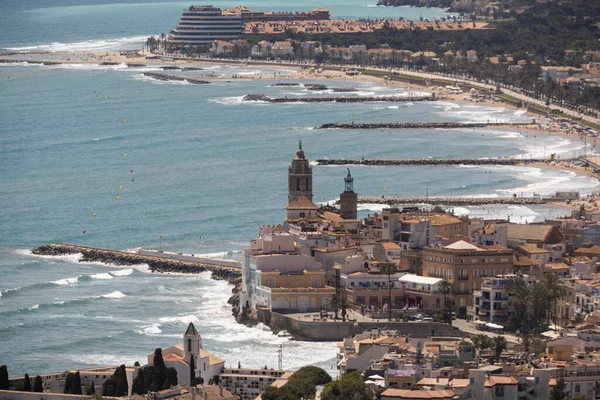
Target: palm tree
<point>500,344</point>
<point>555,290</point>
<point>163,37</point>
<point>389,269</point>
<point>343,304</point>
<point>334,304</point>
<point>446,288</point>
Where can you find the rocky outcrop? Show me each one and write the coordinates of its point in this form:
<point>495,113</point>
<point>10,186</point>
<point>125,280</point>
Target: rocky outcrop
<point>365,99</point>
<point>413,125</point>
<point>131,65</point>
<point>286,84</point>
<point>315,86</point>
<point>192,69</point>
<point>156,264</point>
<point>109,63</point>
<point>256,97</point>
<point>165,77</point>
<point>456,6</point>
<point>170,68</point>
<point>434,161</point>
<point>241,314</point>
<point>343,90</point>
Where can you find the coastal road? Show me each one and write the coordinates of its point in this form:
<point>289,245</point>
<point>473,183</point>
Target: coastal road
<point>464,326</point>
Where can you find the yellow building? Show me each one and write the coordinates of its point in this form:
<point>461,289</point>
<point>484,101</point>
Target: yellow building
<point>301,291</point>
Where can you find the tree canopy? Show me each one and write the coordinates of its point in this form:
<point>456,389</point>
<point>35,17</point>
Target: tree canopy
<point>348,387</point>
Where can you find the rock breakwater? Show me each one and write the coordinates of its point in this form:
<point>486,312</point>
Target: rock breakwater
<point>362,99</point>
<point>416,125</point>
<point>166,78</point>
<point>455,201</point>
<point>435,161</point>
<point>156,264</point>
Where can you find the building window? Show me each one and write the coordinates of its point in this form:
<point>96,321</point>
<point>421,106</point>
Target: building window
<point>189,344</point>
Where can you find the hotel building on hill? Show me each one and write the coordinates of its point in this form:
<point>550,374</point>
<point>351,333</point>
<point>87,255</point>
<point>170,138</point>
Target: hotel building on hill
<point>202,25</point>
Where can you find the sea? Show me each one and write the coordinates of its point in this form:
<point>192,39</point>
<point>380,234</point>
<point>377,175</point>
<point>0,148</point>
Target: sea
<point>105,156</point>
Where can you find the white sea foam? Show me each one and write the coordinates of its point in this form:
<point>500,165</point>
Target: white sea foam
<point>34,307</point>
<point>114,295</point>
<point>153,329</point>
<point>102,276</point>
<point>66,281</point>
<point>134,42</point>
<point>181,319</point>
<point>230,101</point>
<point>123,272</point>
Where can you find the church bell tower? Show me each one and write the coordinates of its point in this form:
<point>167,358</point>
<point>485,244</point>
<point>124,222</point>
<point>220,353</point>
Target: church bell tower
<point>299,177</point>
<point>348,199</point>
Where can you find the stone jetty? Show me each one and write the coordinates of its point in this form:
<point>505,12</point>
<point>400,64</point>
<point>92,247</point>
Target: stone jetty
<point>362,99</point>
<point>132,65</point>
<point>435,161</point>
<point>416,125</point>
<point>455,201</point>
<point>156,264</point>
<point>165,77</point>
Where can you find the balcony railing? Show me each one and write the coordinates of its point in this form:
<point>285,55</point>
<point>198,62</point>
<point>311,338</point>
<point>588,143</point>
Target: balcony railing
<point>463,277</point>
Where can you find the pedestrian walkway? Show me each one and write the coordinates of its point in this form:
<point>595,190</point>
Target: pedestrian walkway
<point>464,326</point>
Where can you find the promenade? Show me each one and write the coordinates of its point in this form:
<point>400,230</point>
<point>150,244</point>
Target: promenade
<point>456,201</point>
<point>436,161</point>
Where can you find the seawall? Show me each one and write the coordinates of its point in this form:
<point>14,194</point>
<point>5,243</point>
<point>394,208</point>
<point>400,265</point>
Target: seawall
<point>337,331</point>
<point>456,201</point>
<point>329,99</point>
<point>166,77</point>
<point>436,161</point>
<point>156,264</point>
<point>416,125</point>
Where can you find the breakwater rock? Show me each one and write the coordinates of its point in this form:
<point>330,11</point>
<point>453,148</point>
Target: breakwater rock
<point>156,264</point>
<point>131,65</point>
<point>434,161</point>
<point>315,86</point>
<point>109,63</point>
<point>362,99</point>
<point>415,125</point>
<point>170,68</point>
<point>166,78</point>
<point>286,84</point>
<point>456,201</point>
<point>192,69</point>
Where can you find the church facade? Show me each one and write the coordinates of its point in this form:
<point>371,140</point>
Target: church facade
<point>182,356</point>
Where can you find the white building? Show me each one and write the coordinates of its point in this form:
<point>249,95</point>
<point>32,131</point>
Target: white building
<point>182,355</point>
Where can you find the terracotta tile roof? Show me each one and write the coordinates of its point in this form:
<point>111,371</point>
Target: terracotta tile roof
<point>390,246</point>
<point>302,203</point>
<point>500,380</point>
<point>443,219</point>
<point>418,394</point>
<point>212,359</point>
<point>532,250</point>
<point>528,232</point>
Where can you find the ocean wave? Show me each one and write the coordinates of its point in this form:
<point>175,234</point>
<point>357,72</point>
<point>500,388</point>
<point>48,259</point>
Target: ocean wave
<point>102,276</point>
<point>66,281</point>
<point>87,45</point>
<point>113,295</point>
<point>234,100</point>
<point>180,320</point>
<point>123,272</point>
<point>151,330</point>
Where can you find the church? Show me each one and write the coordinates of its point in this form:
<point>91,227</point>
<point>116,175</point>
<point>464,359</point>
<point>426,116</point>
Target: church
<point>181,356</point>
<point>302,212</point>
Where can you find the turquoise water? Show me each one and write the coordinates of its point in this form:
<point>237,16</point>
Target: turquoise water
<point>203,170</point>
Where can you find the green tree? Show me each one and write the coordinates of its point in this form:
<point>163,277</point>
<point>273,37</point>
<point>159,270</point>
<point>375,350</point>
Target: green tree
<point>344,305</point>
<point>37,384</point>
<point>555,290</point>
<point>27,383</point>
<point>445,289</point>
<point>389,269</point>
<point>499,346</point>
<point>76,388</point>
<point>69,383</point>
<point>137,386</point>
<point>558,391</point>
<point>137,364</point>
<point>120,376</point>
<point>482,341</point>
<point>302,384</point>
<point>192,370</point>
<point>158,361</point>
<point>350,386</point>
<point>4,382</point>
<point>90,389</point>
<point>333,303</point>
<point>172,376</point>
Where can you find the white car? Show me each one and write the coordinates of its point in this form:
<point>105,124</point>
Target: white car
<point>418,317</point>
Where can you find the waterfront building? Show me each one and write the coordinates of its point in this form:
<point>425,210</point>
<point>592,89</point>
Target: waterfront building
<point>276,276</point>
<point>465,266</point>
<point>248,15</point>
<point>299,177</point>
<point>201,25</point>
<point>180,357</point>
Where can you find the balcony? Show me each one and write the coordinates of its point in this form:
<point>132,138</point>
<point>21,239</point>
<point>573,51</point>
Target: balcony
<point>463,277</point>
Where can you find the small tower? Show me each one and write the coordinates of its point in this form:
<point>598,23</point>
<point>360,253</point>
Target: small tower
<point>348,199</point>
<point>299,177</point>
<point>192,343</point>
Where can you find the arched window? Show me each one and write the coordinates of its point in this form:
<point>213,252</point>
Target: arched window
<point>189,344</point>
